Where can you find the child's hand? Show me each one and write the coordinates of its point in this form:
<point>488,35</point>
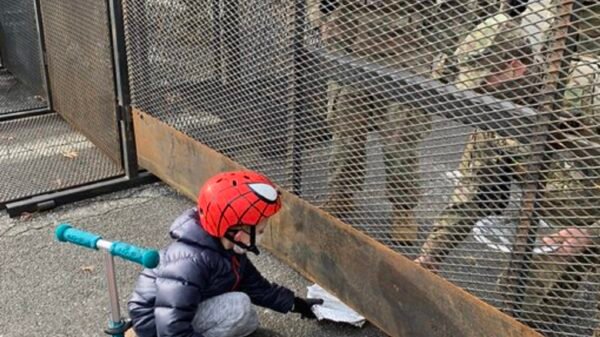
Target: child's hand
<point>303,307</point>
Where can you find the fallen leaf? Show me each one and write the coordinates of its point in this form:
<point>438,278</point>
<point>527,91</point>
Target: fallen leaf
<point>70,154</point>
<point>87,269</point>
<point>25,216</point>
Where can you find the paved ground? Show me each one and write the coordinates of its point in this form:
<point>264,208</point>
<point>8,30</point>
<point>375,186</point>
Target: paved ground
<point>50,289</point>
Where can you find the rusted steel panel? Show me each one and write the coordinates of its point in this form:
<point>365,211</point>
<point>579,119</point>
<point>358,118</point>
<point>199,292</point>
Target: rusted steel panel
<point>391,291</point>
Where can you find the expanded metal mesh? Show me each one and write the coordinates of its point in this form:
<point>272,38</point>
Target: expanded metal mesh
<point>21,43</point>
<point>15,96</point>
<point>43,154</point>
<point>189,58</point>
<point>23,84</point>
<point>463,134</point>
<point>79,53</point>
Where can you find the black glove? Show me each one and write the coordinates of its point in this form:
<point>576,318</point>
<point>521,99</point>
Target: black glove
<point>303,307</point>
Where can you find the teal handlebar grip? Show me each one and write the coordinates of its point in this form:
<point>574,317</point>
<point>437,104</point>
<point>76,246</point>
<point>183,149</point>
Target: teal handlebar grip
<point>65,233</point>
<point>146,257</point>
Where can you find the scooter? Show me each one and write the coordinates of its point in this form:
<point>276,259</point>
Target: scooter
<point>149,258</point>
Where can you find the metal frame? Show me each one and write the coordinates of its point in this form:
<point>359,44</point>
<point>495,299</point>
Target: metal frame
<point>403,86</point>
<point>24,114</point>
<point>308,81</point>
<point>48,201</point>
<point>467,107</point>
<point>125,126</point>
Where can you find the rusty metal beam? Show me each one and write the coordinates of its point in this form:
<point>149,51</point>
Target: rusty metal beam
<point>391,291</point>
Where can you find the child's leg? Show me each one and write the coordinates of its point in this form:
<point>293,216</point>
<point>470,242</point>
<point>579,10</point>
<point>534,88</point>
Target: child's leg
<point>227,315</point>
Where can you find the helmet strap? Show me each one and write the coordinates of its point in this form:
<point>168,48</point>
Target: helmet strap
<point>230,235</point>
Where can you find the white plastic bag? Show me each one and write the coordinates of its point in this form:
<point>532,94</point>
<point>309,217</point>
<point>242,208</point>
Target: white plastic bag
<point>333,309</point>
<point>498,233</point>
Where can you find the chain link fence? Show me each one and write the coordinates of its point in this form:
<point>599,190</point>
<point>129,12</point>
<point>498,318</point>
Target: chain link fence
<point>463,134</point>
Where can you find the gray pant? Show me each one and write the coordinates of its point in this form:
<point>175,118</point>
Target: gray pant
<point>227,315</point>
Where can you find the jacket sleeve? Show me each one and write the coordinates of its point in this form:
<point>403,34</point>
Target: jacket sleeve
<point>265,293</point>
<point>178,293</point>
<point>141,304</point>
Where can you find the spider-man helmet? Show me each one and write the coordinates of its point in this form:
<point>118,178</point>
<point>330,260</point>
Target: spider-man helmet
<point>239,198</point>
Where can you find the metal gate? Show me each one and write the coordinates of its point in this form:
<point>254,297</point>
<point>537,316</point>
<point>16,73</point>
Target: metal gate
<point>80,66</point>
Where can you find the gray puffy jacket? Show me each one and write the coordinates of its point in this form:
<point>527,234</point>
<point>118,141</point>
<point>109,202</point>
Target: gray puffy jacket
<point>195,267</point>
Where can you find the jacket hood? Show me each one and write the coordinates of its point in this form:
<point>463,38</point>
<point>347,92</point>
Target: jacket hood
<point>187,228</point>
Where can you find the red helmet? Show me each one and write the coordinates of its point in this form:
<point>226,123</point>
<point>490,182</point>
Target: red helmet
<point>239,198</point>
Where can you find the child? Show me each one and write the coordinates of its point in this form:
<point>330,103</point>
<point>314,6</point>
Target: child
<point>204,284</point>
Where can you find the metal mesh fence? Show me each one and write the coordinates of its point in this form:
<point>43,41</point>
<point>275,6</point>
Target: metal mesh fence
<point>189,58</point>
<point>463,134</point>
<point>80,67</point>
<point>43,154</point>
<point>23,82</point>
<point>15,96</point>
<point>21,44</point>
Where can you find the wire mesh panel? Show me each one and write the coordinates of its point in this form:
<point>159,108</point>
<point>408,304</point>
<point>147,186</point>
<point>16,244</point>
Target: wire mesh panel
<point>220,71</point>
<point>43,154</point>
<point>80,69</point>
<point>15,96</point>
<point>463,134</point>
<point>20,46</point>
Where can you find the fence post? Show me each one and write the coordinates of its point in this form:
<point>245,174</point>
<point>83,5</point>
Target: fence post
<point>299,99</point>
<point>124,119</point>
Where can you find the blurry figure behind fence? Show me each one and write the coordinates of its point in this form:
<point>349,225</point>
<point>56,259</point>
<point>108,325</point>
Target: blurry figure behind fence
<point>400,35</point>
<point>500,57</point>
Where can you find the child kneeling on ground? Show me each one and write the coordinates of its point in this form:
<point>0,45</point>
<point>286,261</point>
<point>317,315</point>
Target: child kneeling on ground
<point>205,285</point>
